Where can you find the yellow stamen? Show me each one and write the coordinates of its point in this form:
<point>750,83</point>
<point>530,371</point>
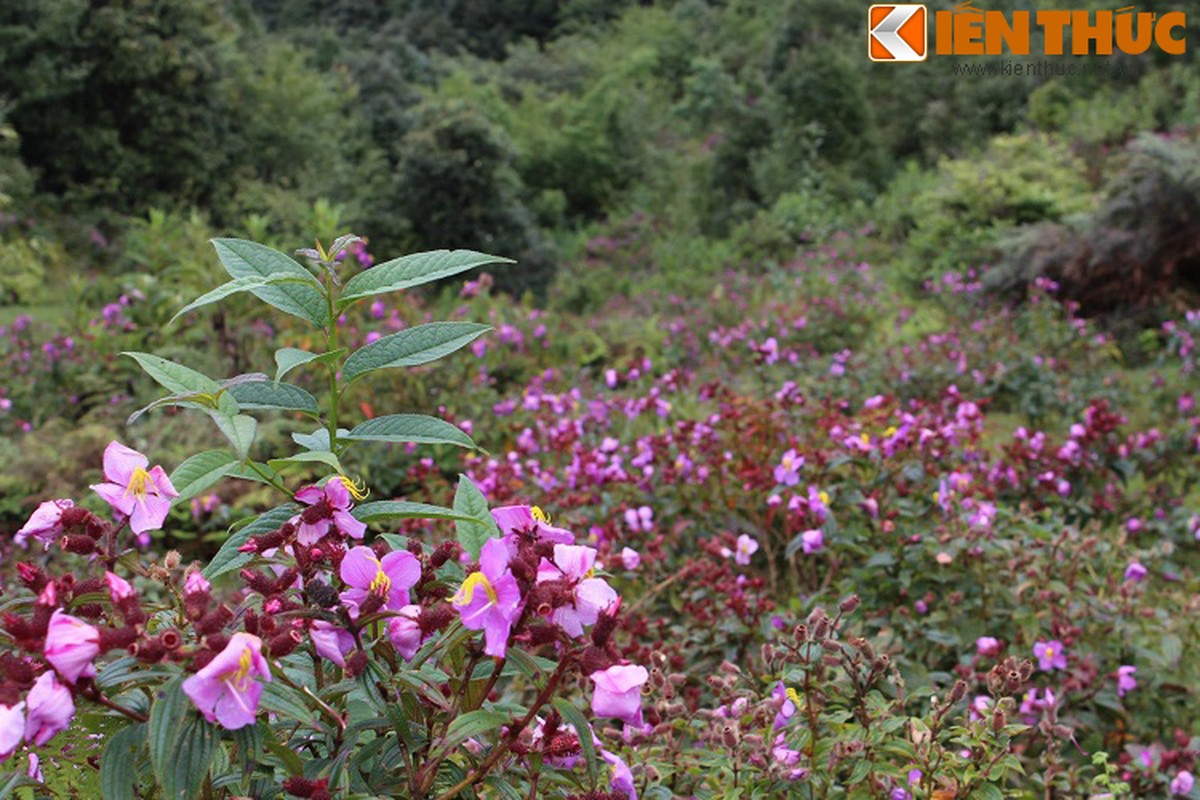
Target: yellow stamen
<point>466,592</point>
<point>794,696</point>
<point>238,677</point>
<point>865,438</point>
<point>138,483</point>
<point>1049,652</point>
<point>357,491</point>
<point>891,431</point>
<point>382,584</point>
<point>539,515</point>
<point>824,497</point>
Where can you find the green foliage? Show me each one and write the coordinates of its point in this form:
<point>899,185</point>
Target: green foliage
<point>952,222</point>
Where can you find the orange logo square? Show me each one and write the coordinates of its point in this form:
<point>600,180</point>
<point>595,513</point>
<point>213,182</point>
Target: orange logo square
<point>897,32</point>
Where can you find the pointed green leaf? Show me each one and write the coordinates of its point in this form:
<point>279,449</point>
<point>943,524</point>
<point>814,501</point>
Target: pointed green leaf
<point>239,430</point>
<point>173,377</point>
<point>195,746</point>
<point>288,358</point>
<point>479,525</point>
<point>199,472</point>
<point>475,723</point>
<point>416,428</point>
<point>228,558</point>
<point>239,285</point>
<point>243,259</point>
<point>166,717</point>
<point>412,347</point>
<point>307,457</point>
<point>118,764</point>
<point>384,510</point>
<point>414,270</point>
<point>269,395</point>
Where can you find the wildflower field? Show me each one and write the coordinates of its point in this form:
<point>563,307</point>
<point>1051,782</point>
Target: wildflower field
<point>556,400</point>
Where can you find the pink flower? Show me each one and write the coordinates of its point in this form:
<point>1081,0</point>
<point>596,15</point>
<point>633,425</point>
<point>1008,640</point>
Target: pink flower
<point>225,691</point>
<point>490,599</point>
<point>1051,655</point>
<point>144,497</point>
<point>1125,680</point>
<point>787,707</point>
<point>12,728</point>
<point>621,777</point>
<point>119,589</point>
<point>51,708</point>
<point>45,524</point>
<point>618,692</point>
<point>640,519</point>
<point>787,471</point>
<point>530,521</point>
<point>575,566</point>
<point>390,578</point>
<point>987,646</point>
<point>746,547</point>
<point>405,632</point>
<point>630,558</point>
<point>71,644</point>
<point>331,642</point>
<point>1183,782</point>
<point>328,505</point>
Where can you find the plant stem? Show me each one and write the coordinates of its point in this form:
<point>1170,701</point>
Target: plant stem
<point>331,344</point>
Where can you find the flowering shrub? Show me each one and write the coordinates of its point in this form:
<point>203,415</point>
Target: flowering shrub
<point>807,542</point>
<point>335,663</point>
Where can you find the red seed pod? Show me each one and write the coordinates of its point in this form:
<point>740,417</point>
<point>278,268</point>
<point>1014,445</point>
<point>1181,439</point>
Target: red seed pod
<point>171,639</point>
<point>34,577</point>
<point>116,638</point>
<point>281,644</point>
<point>446,551</point>
<point>78,544</point>
<point>356,663</point>
<point>435,618</point>
<point>214,620</point>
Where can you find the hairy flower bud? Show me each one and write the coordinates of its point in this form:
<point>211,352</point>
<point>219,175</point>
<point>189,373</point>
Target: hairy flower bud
<point>848,605</point>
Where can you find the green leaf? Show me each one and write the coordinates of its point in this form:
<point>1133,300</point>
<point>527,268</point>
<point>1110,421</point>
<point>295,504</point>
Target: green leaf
<point>987,791</point>
<point>475,723</point>
<point>307,457</point>
<point>175,378</point>
<point>166,719</point>
<point>273,395</point>
<point>412,347</point>
<point>410,428</point>
<point>473,532</point>
<point>243,259</point>
<point>193,752</point>
<point>118,764</point>
<point>574,717</point>
<point>383,510</point>
<point>199,472</point>
<point>239,430</point>
<point>288,358</point>
<point>239,285</point>
<point>228,558</point>
<point>413,270</point>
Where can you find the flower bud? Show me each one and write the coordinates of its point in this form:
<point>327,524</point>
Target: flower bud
<point>848,605</point>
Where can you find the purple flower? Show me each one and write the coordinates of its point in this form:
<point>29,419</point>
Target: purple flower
<point>787,471</point>
<point>1135,572</point>
<point>1183,782</point>
<point>618,692</point>
<point>50,709</point>
<point>45,523</point>
<point>620,778</point>
<point>490,599</point>
<point>1125,681</point>
<point>812,541</point>
<point>574,565</point>
<point>328,505</point>
<point>12,728</point>
<point>225,690</point>
<point>405,632</point>
<point>144,497</point>
<point>788,700</point>
<point>1051,655</point>
<point>331,642</point>
<point>640,519</point>
<point>390,578</point>
<point>71,644</point>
